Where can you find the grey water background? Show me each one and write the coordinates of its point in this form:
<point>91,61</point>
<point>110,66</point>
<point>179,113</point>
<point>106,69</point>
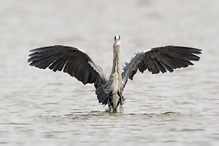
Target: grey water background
<point>40,107</point>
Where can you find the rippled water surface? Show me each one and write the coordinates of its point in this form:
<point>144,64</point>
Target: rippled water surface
<point>40,107</point>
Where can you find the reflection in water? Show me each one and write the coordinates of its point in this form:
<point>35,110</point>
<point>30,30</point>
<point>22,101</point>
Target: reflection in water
<point>81,115</point>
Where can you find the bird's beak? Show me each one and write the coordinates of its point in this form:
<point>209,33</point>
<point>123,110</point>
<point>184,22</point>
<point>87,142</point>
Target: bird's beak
<point>117,42</point>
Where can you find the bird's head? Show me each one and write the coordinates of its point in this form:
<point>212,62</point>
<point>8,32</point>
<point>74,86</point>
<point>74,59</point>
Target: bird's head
<point>117,40</point>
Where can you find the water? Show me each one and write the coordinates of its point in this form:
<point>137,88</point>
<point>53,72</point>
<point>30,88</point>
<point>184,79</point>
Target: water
<point>39,107</point>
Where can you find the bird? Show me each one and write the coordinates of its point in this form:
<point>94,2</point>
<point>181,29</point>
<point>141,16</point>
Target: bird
<point>109,91</point>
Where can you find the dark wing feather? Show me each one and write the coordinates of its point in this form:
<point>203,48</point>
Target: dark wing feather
<point>160,59</point>
<point>72,61</point>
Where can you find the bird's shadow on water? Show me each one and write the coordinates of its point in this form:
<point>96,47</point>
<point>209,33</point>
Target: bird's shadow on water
<point>104,114</point>
<point>106,118</point>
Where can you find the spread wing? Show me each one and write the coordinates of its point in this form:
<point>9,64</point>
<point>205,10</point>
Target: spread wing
<point>71,60</point>
<point>160,59</point>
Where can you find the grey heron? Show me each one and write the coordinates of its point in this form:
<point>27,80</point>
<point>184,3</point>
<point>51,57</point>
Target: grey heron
<point>109,91</point>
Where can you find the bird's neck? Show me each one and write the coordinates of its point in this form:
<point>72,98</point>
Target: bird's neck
<point>116,60</point>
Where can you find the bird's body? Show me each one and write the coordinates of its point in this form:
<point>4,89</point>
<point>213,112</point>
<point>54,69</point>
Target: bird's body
<point>109,91</point>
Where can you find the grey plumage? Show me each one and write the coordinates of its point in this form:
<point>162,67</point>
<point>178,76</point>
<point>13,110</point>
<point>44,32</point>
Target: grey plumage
<point>78,64</point>
<point>160,59</point>
<point>72,61</point>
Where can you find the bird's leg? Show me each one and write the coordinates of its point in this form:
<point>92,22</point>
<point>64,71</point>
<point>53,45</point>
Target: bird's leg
<point>110,103</point>
<point>121,102</point>
<point>119,106</point>
<point>121,99</point>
